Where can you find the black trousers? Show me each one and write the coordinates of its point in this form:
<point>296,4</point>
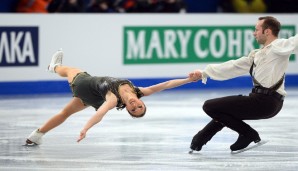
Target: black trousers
<point>232,110</point>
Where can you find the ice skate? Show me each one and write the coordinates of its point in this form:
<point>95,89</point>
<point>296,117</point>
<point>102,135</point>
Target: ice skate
<point>35,138</point>
<point>262,142</point>
<point>205,135</point>
<point>56,61</point>
<point>242,142</point>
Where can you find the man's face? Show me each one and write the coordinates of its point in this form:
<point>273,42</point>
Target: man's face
<point>259,33</point>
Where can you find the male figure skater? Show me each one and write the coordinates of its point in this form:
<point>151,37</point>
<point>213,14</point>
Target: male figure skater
<point>267,67</point>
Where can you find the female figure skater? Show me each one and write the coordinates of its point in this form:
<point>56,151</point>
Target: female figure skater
<point>102,93</point>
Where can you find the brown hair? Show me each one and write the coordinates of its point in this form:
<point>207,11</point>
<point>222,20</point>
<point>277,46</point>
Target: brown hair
<point>271,23</point>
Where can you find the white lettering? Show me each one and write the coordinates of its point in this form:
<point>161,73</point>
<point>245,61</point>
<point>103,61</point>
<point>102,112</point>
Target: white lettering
<point>285,33</point>
<point>234,41</point>
<point>4,47</point>
<point>15,50</point>
<point>248,42</point>
<point>154,44</point>
<point>184,39</point>
<point>197,42</point>
<point>222,43</point>
<point>136,45</point>
<point>27,49</point>
<point>170,39</point>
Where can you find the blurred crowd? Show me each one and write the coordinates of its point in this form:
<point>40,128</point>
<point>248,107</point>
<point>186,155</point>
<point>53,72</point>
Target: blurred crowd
<point>148,6</point>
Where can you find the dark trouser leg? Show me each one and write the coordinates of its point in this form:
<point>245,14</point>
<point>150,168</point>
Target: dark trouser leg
<point>246,133</point>
<point>232,110</point>
<point>203,136</point>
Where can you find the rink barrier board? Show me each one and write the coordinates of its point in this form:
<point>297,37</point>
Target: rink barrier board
<point>59,87</point>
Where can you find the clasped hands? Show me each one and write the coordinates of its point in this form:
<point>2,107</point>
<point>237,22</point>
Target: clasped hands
<point>195,75</point>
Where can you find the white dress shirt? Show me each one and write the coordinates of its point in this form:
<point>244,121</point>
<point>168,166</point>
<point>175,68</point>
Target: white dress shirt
<point>270,62</point>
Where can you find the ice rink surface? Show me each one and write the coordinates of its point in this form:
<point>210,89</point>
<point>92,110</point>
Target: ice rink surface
<point>159,141</point>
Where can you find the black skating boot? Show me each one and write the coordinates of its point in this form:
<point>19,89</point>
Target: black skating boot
<point>243,141</point>
<point>203,136</point>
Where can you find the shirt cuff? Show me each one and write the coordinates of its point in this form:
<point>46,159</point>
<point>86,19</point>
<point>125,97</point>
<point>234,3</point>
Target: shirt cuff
<point>204,77</point>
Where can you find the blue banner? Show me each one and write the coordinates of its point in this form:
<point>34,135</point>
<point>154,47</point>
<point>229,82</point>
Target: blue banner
<point>18,46</point>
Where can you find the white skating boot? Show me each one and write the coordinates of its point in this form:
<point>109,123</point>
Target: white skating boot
<point>35,138</point>
<point>56,61</point>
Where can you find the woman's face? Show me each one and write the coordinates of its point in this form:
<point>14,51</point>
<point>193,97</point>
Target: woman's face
<point>135,107</point>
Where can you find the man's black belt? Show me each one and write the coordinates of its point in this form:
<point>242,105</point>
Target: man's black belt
<point>268,92</point>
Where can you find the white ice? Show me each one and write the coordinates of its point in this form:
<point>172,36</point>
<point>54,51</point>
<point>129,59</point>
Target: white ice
<point>159,141</point>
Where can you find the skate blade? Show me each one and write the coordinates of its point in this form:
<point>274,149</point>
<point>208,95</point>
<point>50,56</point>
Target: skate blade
<point>249,148</point>
<point>30,145</point>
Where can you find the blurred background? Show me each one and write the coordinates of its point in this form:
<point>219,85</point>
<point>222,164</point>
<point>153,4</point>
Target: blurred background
<point>148,6</point>
<point>147,41</point>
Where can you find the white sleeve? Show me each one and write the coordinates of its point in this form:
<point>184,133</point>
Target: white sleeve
<point>229,69</point>
<point>286,46</point>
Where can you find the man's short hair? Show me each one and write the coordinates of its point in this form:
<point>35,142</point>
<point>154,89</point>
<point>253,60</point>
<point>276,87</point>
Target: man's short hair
<point>271,23</point>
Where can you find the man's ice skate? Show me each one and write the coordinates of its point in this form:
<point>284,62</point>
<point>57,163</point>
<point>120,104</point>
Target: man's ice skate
<point>35,138</point>
<point>205,135</point>
<point>262,142</point>
<point>243,141</point>
<point>56,61</point>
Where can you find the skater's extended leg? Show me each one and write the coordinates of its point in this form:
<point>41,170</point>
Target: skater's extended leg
<point>75,105</point>
<point>72,107</point>
<point>64,71</point>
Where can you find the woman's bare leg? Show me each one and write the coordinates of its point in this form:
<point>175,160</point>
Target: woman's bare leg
<point>56,66</point>
<point>72,107</point>
<point>66,71</point>
<point>75,105</point>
